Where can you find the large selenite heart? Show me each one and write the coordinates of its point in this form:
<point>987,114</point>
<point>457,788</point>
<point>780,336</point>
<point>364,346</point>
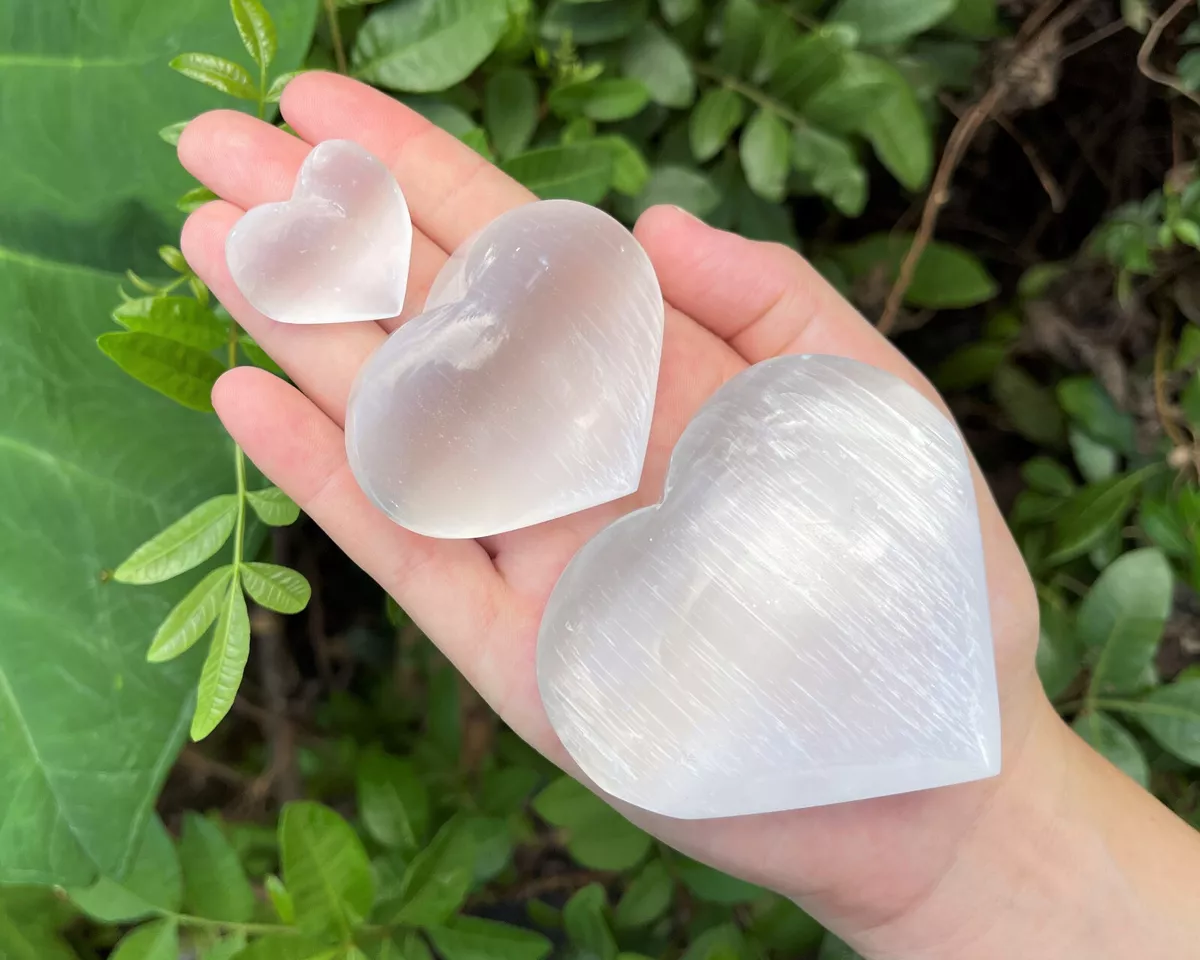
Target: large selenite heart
<point>336,252</point>
<point>803,620</point>
<point>525,390</point>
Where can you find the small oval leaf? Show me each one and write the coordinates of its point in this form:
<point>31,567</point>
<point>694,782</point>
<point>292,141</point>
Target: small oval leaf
<point>274,507</point>
<point>277,588</point>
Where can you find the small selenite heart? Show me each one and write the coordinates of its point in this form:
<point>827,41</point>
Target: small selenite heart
<point>336,252</point>
<point>803,620</point>
<point>525,390</point>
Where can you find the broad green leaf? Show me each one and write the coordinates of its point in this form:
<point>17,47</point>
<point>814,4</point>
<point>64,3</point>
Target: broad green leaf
<point>273,507</point>
<point>779,924</point>
<point>1029,407</point>
<point>1161,520</point>
<point>1059,657</point>
<point>724,942</point>
<point>630,172</point>
<point>289,947</point>
<point>803,66</point>
<point>899,129</point>
<point>193,615</point>
<point>226,948</point>
<point>676,12</point>
<point>277,588</point>
<point>589,23</point>
<point>225,663</point>
<point>152,883</point>
<point>947,277</point>
<point>1088,404</point>
<point>30,920</point>
<point>1048,476</point>
<point>681,187</point>
<point>154,941</point>
<point>603,99</point>
<point>718,114</point>
<point>646,898</point>
<point>493,840</point>
<point>586,926</point>
<point>766,155</point>
<point>92,462</point>
<point>185,544</point>
<point>176,318</point>
<point>420,46</point>
<point>977,19</point>
<point>472,938</point>
<point>257,30</point>
<point>881,22</point>
<point>1111,740</point>
<point>970,366</point>
<point>713,886</point>
<point>1122,618</point>
<point>741,37</point>
<point>1171,715</point>
<point>1091,513</point>
<point>596,835</point>
<point>281,900</point>
<point>437,881</point>
<point>846,103</point>
<point>325,869</point>
<point>1095,461</point>
<point>393,800</point>
<point>660,63</point>
<point>510,110</point>
<point>175,370</point>
<point>217,72</point>
<point>577,171</point>
<point>831,168</point>
<point>215,885</point>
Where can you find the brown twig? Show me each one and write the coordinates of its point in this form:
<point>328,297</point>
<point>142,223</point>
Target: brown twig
<point>335,35</point>
<point>1097,36</point>
<point>1153,35</point>
<point>205,767</point>
<point>960,140</point>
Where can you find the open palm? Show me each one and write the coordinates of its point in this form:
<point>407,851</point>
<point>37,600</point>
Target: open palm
<point>730,303</point>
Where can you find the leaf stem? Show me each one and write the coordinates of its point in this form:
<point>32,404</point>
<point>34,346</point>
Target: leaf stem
<point>751,93</point>
<point>187,920</point>
<point>335,36</point>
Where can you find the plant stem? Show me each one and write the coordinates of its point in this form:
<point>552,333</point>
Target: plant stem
<point>751,93</point>
<point>187,920</point>
<point>239,469</point>
<point>335,36</point>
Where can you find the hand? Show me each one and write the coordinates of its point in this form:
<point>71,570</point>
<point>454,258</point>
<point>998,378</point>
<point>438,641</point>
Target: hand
<point>869,868</point>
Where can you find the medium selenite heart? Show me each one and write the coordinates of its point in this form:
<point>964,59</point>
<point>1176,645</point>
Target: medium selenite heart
<point>336,252</point>
<point>525,390</point>
<point>803,620</point>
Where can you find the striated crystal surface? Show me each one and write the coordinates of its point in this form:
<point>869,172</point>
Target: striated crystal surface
<point>803,620</point>
<point>336,252</point>
<point>525,390</point>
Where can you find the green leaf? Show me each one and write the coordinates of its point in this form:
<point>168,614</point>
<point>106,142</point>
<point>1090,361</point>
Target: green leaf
<point>1048,476</point>
<point>279,84</point>
<point>833,948</point>
<point>676,12</point>
<point>281,900</point>
<point>194,614</point>
<point>718,114</point>
<point>724,942</point>
<point>1111,740</point>
<point>255,27</point>
<point>1029,407</point>
<point>185,544</point>
<point>741,37</point>
<point>277,588</point>
<point>181,319</point>
<point>180,372</point>
<point>154,941</point>
<point>30,920</point>
<point>1089,405</point>
<point>273,507</point>
<point>193,200</point>
<point>1189,403</point>
<point>779,924</point>
<point>604,99</point>
<point>420,46</point>
<point>1059,657</point>
<point>646,898</point>
<point>218,73</point>
<point>1122,618</point>
<point>1091,513</point>
<point>1095,461</point>
<point>589,23</point>
<point>152,883</point>
<point>172,132</point>
<point>215,885</point>
<point>831,167</point>
<point>325,868</point>
<point>766,155</point>
<point>714,886</point>
<point>1161,521</point>
<point>597,836</point>
<point>970,366</point>
<point>472,938</point>
<point>880,22</point>
<point>493,838</point>
<point>577,171</point>
<point>803,66</point>
<point>678,186</point>
<point>392,800</point>
<point>898,129</point>
<point>586,926</point>
<point>93,463</point>
<point>510,110</point>
<point>437,881</point>
<point>225,663</point>
<point>630,172</point>
<point>226,948</point>
<point>1171,715</point>
<point>288,946</point>
<point>947,277</point>
<point>976,19</point>
<point>660,63</point>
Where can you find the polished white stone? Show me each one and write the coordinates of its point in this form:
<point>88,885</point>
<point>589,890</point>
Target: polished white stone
<point>803,620</point>
<point>336,252</point>
<point>525,390</point>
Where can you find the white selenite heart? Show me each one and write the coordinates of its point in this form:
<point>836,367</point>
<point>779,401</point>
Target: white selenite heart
<point>525,390</point>
<point>336,252</point>
<point>803,620</point>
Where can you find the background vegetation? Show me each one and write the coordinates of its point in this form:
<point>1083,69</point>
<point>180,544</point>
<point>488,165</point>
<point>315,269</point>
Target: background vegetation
<point>1007,187</point>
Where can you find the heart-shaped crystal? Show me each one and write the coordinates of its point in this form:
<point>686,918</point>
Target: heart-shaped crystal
<point>525,390</point>
<point>336,252</point>
<point>803,620</point>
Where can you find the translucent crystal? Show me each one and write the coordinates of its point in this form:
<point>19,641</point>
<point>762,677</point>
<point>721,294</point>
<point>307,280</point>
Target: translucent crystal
<point>337,251</point>
<point>525,390</point>
<point>803,620</point>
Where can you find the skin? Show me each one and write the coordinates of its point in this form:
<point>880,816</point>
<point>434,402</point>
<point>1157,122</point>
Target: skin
<point>1059,856</point>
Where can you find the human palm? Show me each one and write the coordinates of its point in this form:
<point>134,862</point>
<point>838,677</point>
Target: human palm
<point>730,303</point>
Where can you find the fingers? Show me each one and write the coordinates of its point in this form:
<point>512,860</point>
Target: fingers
<point>452,191</point>
<point>447,586</point>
